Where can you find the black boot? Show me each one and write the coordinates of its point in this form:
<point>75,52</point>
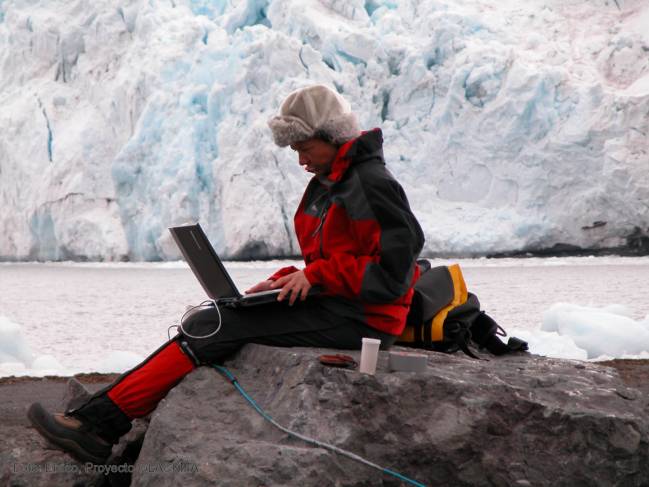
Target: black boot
<point>70,434</point>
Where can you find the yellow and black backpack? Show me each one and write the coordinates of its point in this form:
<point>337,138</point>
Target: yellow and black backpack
<point>445,317</point>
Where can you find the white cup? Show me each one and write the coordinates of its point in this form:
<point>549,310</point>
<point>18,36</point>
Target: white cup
<point>369,355</point>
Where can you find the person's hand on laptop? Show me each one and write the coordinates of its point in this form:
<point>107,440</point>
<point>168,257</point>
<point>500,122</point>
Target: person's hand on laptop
<point>296,283</point>
<point>260,287</point>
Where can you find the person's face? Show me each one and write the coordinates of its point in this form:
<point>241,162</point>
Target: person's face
<point>315,155</point>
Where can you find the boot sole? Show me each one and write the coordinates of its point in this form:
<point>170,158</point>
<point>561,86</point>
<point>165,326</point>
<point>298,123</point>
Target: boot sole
<point>39,418</point>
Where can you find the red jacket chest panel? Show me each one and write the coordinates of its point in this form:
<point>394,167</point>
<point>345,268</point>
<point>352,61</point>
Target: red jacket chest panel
<point>336,232</point>
<point>306,229</point>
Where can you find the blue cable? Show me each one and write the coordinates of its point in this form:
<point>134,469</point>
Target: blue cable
<point>228,375</point>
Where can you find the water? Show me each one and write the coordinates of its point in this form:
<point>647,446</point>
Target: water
<point>80,313</point>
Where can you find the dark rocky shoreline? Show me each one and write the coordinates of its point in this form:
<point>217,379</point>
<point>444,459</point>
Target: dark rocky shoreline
<point>637,246</point>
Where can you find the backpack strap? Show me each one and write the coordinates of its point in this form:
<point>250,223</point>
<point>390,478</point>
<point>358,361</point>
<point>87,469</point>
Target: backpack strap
<point>496,346</point>
<point>463,340</point>
<point>485,333</point>
<point>460,295</point>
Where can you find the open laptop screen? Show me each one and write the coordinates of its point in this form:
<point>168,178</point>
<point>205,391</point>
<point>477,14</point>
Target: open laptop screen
<point>204,261</point>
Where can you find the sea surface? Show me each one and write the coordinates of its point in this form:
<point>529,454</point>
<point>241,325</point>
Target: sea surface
<point>82,313</point>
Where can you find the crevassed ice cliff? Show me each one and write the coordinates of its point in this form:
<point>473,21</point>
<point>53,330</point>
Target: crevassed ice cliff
<point>511,125</point>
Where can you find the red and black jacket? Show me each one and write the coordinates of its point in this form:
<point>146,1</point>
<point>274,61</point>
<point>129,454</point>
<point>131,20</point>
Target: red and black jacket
<point>358,236</point>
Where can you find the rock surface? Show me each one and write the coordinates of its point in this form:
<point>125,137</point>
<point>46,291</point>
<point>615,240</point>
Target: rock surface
<point>520,420</point>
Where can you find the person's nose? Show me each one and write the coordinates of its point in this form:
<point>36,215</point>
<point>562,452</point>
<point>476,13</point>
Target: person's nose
<point>303,159</point>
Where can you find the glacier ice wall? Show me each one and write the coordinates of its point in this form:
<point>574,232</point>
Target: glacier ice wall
<point>511,125</point>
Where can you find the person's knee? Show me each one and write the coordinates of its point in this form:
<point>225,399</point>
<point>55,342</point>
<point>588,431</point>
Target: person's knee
<point>209,336</point>
<point>196,331</point>
<point>200,323</point>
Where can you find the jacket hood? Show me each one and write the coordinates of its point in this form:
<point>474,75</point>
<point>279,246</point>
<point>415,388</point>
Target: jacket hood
<point>368,147</point>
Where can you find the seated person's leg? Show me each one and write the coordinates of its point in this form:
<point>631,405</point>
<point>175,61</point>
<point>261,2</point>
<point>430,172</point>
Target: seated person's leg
<point>89,430</point>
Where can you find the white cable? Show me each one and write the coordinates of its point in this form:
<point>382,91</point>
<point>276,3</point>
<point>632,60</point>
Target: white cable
<point>228,375</point>
<point>218,328</point>
<point>169,329</point>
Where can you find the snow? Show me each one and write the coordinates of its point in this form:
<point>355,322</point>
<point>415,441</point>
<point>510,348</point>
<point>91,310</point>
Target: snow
<point>107,317</point>
<point>577,332</point>
<point>13,346</point>
<point>119,361</point>
<point>599,331</point>
<point>550,344</point>
<point>17,359</point>
<point>569,331</point>
<point>511,125</point>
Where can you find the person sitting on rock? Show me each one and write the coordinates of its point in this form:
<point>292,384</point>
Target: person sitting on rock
<point>359,240</point>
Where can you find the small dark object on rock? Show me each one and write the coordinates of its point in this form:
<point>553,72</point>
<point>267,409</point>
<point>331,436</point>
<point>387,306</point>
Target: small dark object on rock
<point>338,360</point>
<point>597,224</point>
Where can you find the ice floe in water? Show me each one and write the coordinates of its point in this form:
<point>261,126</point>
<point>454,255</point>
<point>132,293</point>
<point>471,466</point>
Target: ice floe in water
<point>588,333</point>
<point>608,331</point>
<point>17,359</point>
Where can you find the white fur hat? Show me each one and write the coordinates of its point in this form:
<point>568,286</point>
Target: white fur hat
<point>314,111</point>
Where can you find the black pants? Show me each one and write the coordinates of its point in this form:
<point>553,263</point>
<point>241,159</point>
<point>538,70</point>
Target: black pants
<point>320,322</point>
<point>312,323</point>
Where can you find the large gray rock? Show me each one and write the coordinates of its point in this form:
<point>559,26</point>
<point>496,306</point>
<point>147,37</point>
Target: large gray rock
<point>520,420</point>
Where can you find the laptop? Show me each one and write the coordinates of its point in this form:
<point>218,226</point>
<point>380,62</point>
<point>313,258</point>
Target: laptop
<point>210,272</point>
